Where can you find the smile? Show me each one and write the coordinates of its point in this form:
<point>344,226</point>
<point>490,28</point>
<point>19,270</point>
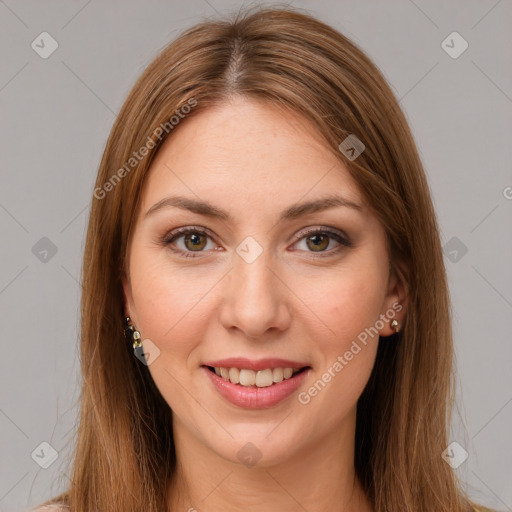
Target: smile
<point>260,378</point>
<point>256,388</point>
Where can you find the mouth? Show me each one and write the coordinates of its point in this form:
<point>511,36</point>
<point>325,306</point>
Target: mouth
<point>254,384</point>
<point>249,378</point>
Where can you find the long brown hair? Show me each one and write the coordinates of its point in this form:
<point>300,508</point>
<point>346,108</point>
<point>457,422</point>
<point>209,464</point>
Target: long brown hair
<point>124,455</point>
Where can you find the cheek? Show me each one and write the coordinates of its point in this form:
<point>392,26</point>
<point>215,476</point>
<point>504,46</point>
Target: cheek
<point>166,301</point>
<point>171,312</point>
<point>346,353</point>
<point>348,303</point>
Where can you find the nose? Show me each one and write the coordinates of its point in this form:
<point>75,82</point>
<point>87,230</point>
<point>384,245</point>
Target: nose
<point>256,300</point>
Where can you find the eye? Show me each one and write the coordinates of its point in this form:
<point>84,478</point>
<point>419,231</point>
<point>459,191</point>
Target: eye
<point>194,240</point>
<point>319,239</point>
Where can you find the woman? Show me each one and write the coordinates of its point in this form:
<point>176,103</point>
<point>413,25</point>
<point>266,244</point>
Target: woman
<point>262,234</point>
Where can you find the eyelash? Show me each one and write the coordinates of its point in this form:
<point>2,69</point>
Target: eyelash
<point>178,233</point>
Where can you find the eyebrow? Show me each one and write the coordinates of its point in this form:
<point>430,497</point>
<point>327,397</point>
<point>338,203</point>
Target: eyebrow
<point>293,212</point>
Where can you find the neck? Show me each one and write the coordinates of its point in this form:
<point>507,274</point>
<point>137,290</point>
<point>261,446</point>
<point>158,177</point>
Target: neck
<point>320,475</point>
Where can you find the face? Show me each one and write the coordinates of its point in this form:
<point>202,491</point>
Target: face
<point>257,283</point>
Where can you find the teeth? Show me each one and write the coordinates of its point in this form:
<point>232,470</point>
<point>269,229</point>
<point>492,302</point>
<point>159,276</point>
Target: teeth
<point>264,378</point>
<point>277,375</point>
<point>260,378</point>
<point>247,377</point>
<point>234,375</point>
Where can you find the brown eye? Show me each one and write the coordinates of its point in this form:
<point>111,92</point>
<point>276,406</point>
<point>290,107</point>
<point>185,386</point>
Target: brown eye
<point>193,241</point>
<point>189,242</point>
<point>319,242</point>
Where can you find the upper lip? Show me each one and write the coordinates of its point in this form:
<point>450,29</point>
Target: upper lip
<point>254,364</point>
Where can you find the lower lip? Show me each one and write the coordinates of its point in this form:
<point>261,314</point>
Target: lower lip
<point>252,397</point>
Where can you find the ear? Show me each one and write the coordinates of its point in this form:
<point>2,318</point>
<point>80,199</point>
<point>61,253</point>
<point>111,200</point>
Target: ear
<point>129,309</point>
<point>395,302</point>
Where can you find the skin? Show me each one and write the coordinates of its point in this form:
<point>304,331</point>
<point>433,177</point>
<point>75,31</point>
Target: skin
<point>252,160</point>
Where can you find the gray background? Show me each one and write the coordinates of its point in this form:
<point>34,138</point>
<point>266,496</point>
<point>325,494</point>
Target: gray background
<point>56,115</point>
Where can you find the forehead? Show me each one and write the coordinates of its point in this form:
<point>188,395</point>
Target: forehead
<point>249,154</point>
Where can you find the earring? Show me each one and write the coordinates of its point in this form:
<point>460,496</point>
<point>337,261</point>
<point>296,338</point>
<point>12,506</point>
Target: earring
<point>133,337</point>
<point>394,324</point>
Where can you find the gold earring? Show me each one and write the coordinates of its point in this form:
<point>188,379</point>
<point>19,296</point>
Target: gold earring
<point>132,335</point>
<point>394,324</point>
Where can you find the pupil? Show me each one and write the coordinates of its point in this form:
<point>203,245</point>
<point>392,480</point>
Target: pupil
<point>318,241</point>
<point>195,240</point>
